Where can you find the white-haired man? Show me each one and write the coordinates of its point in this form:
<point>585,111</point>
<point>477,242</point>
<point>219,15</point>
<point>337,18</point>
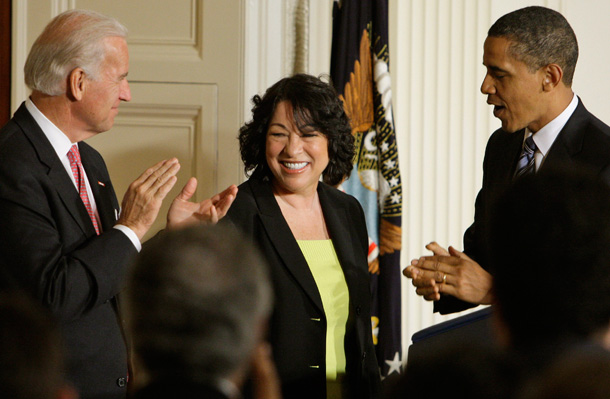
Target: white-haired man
<point>65,238</point>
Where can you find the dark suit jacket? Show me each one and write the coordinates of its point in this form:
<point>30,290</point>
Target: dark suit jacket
<point>298,323</point>
<point>50,246</point>
<point>583,143</point>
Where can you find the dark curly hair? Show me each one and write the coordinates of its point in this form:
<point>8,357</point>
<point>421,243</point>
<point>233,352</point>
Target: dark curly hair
<point>316,105</point>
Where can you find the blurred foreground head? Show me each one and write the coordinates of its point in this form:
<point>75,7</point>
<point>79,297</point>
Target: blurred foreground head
<point>198,300</point>
<point>550,244</point>
<point>31,356</point>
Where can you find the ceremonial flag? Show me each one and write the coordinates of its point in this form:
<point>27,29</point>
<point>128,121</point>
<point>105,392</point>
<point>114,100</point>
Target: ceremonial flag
<point>359,71</point>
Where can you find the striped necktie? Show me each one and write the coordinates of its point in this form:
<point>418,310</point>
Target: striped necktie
<point>78,172</point>
<point>526,162</point>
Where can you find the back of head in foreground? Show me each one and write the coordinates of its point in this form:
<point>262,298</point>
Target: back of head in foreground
<point>577,374</point>
<point>464,370</point>
<point>197,301</point>
<point>31,353</point>
<point>550,245</point>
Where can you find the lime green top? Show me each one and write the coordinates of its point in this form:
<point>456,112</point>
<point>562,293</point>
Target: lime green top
<point>326,270</point>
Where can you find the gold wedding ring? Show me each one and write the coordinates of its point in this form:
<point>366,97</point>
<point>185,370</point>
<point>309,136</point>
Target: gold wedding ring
<point>444,278</point>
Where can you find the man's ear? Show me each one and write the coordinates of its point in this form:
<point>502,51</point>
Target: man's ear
<point>77,82</point>
<point>552,77</point>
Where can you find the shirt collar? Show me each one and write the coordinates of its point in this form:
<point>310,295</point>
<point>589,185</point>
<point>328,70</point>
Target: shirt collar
<point>59,141</point>
<point>545,137</point>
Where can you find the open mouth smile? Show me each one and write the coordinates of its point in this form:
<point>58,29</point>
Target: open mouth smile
<point>294,166</point>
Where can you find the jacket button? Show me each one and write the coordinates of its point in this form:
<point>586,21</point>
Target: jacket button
<point>363,355</point>
<point>358,310</point>
<point>121,382</point>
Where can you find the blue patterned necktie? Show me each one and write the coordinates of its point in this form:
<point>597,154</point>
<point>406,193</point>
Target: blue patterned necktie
<point>526,162</point>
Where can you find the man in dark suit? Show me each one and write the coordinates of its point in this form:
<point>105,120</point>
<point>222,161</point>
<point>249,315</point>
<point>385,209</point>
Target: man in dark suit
<point>530,55</point>
<point>198,302</point>
<point>65,239</point>
<point>549,235</point>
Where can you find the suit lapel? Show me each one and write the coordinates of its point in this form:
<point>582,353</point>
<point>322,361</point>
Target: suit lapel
<point>71,199</point>
<point>56,171</point>
<point>338,223</point>
<point>508,156</point>
<point>101,187</point>
<point>283,240</point>
<point>569,141</point>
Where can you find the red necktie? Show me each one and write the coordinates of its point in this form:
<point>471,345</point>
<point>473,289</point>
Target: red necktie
<point>78,171</point>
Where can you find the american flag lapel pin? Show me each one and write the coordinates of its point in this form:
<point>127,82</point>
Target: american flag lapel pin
<point>101,184</point>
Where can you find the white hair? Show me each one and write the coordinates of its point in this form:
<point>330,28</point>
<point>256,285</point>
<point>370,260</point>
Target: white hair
<point>73,39</point>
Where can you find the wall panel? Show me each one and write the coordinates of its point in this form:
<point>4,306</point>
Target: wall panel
<point>162,124</point>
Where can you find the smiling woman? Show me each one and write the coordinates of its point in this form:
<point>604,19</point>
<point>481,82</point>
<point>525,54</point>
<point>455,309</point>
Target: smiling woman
<point>296,158</point>
<point>314,238</point>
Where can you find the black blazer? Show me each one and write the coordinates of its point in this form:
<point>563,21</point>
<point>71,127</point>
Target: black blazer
<point>583,143</point>
<point>298,324</point>
<point>50,247</point>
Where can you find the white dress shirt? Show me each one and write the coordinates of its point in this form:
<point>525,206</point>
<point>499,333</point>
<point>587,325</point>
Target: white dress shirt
<point>545,137</point>
<point>62,144</point>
